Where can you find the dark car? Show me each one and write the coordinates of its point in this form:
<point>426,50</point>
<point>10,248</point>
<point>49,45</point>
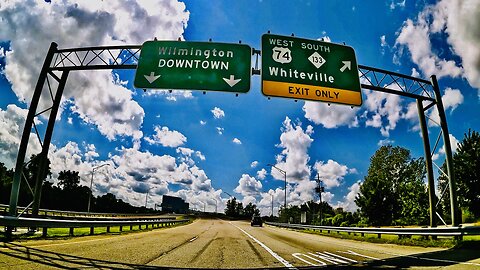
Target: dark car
<point>256,221</point>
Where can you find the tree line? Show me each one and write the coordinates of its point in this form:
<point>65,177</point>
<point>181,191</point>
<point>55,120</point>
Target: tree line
<point>66,195</point>
<point>394,191</point>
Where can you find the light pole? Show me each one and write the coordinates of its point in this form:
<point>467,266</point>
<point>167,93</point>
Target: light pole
<point>285,175</point>
<point>272,205</point>
<point>91,183</point>
<point>216,202</point>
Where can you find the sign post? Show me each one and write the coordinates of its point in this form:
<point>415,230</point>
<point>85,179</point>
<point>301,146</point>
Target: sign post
<point>194,65</point>
<point>309,69</point>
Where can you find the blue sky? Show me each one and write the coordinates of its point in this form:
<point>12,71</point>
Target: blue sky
<point>199,146</point>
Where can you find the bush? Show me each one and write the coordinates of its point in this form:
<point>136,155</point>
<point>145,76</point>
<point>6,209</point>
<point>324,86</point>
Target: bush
<point>467,216</point>
<point>345,224</point>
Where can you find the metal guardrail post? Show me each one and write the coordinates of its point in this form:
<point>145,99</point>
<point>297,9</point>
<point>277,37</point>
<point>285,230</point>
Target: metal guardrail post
<point>456,232</point>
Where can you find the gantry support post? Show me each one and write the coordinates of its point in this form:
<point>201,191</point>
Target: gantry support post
<point>22,150</point>
<point>42,169</point>
<point>428,164</point>
<point>448,153</point>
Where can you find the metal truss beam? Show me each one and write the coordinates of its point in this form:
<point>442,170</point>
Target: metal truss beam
<point>58,64</point>
<point>395,83</point>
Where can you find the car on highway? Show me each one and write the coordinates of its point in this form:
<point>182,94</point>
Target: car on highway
<point>256,221</point>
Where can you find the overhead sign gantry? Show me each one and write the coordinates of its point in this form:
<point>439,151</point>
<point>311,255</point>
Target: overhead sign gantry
<point>309,69</point>
<point>194,65</point>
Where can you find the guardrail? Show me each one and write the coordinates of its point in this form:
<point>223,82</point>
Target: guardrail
<point>44,223</point>
<point>62,213</point>
<point>458,232</point>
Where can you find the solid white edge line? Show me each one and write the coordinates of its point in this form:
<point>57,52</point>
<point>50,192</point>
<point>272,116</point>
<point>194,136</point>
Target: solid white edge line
<point>275,255</point>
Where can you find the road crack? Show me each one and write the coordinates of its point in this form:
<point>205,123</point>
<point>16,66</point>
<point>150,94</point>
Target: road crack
<point>204,248</point>
<point>156,257</point>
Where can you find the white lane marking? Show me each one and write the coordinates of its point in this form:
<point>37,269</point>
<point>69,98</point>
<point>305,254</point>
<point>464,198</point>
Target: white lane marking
<point>193,239</point>
<point>327,258</point>
<point>411,256</point>
<point>358,254</point>
<point>297,255</point>
<point>396,254</point>
<point>275,255</point>
<point>336,255</point>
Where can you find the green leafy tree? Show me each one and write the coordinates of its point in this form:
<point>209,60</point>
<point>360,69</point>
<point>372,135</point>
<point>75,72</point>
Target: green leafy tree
<point>232,209</point>
<point>68,180</point>
<point>393,192</point>
<point>30,172</point>
<point>251,210</point>
<point>6,178</point>
<point>466,163</point>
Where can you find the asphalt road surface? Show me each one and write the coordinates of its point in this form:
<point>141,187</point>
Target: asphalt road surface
<point>214,243</point>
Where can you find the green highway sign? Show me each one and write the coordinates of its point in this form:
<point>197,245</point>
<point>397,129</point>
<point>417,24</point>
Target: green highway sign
<point>194,65</point>
<point>309,69</point>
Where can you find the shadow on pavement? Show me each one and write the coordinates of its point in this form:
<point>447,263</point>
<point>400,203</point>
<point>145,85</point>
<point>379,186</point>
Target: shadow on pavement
<point>458,256</point>
<point>455,256</point>
<point>64,261</point>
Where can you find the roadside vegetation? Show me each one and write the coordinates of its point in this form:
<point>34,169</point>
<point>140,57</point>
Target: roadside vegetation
<point>67,194</point>
<point>235,210</point>
<point>393,193</point>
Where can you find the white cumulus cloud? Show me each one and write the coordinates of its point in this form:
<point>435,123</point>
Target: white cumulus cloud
<point>332,116</point>
<point>166,137</point>
<point>262,174</point>
<point>331,172</point>
<point>99,98</point>
<point>294,157</point>
<point>12,121</point>
<point>218,113</point>
<point>458,19</point>
<point>450,99</point>
<point>348,204</point>
<point>248,185</point>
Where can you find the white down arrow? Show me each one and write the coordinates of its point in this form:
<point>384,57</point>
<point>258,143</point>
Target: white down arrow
<point>151,78</point>
<point>231,81</point>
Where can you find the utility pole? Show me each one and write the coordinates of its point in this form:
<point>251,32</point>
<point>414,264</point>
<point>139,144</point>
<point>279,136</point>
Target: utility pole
<point>146,196</point>
<point>319,189</point>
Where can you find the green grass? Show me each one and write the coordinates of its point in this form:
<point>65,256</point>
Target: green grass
<point>64,233</point>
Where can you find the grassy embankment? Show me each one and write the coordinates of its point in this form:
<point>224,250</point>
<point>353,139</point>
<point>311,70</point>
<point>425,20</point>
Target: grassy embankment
<point>415,240</point>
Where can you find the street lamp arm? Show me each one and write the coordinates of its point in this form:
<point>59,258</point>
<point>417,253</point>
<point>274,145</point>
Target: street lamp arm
<point>282,171</point>
<point>91,183</point>
<point>99,166</point>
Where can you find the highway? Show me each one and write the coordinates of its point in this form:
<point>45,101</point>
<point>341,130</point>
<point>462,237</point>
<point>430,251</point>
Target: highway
<point>214,243</point>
